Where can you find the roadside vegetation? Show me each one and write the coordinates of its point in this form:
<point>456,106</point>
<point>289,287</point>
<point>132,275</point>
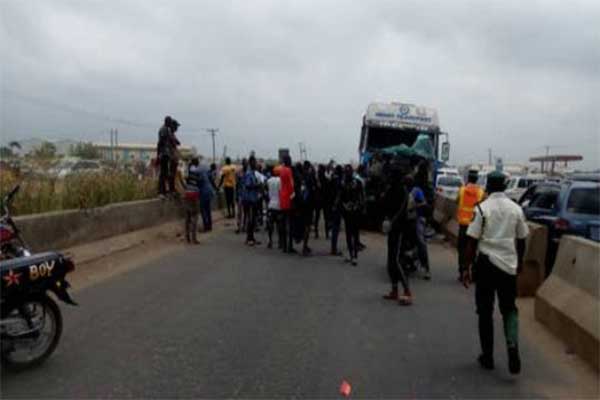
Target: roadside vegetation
<point>40,193</point>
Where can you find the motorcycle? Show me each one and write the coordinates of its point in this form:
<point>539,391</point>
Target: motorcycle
<point>30,320</point>
<point>12,244</point>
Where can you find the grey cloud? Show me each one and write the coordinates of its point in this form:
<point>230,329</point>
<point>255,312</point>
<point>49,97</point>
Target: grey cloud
<point>509,75</point>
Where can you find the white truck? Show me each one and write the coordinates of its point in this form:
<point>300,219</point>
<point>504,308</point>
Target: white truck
<point>406,133</point>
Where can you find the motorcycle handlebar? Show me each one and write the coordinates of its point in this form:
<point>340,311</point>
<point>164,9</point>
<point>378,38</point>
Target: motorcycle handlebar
<point>9,197</point>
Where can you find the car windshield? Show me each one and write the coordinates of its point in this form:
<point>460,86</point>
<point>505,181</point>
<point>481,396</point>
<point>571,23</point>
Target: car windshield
<point>584,201</point>
<point>449,181</point>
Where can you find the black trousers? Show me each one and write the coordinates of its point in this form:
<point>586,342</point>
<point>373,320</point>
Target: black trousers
<point>352,223</point>
<point>395,271</point>
<point>250,214</point>
<point>327,217</point>
<point>191,219</point>
<point>489,281</point>
<point>274,223</point>
<point>163,174</point>
<point>462,248</point>
<point>229,200</point>
<point>287,229</point>
<point>335,223</point>
<point>172,173</point>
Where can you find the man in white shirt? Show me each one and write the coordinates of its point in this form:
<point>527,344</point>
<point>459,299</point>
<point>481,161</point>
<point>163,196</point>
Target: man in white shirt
<point>273,208</point>
<point>498,233</point>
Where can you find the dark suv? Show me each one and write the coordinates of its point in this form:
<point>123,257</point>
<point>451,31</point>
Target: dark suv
<point>570,207</point>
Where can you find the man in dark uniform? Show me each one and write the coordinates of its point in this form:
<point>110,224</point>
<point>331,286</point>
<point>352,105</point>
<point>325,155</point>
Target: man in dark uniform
<point>395,202</point>
<point>166,152</point>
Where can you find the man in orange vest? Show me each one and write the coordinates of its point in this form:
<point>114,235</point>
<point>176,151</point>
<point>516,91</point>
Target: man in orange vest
<point>468,196</point>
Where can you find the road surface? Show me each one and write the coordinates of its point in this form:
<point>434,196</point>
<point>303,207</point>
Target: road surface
<point>225,320</point>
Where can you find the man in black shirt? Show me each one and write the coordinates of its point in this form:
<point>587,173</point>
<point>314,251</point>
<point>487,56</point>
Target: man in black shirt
<point>351,203</point>
<point>395,202</point>
<point>166,152</point>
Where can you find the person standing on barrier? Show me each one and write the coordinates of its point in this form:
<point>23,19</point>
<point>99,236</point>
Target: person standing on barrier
<point>468,196</point>
<point>495,250</point>
<point>166,153</point>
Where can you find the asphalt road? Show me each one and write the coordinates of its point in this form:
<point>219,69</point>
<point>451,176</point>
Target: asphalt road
<point>225,320</point>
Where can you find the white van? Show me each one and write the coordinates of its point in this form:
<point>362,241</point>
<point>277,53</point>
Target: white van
<point>517,185</point>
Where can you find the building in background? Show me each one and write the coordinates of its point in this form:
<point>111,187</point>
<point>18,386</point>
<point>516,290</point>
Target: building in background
<point>130,152</point>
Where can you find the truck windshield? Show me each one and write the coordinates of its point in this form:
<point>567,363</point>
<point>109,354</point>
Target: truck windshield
<point>380,138</point>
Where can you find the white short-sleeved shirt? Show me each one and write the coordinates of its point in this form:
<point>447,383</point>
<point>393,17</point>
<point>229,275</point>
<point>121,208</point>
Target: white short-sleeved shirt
<point>504,222</point>
<point>273,184</point>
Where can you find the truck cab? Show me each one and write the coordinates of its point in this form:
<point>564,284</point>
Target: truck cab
<point>391,124</point>
<point>404,133</point>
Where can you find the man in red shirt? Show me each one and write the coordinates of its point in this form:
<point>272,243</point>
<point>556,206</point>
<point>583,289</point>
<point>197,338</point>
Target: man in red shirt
<point>286,194</point>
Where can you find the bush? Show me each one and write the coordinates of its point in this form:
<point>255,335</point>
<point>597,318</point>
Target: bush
<point>83,191</point>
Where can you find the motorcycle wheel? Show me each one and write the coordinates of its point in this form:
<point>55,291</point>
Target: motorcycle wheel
<point>47,319</point>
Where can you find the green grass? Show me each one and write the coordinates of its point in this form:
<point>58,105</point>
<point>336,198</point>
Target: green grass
<point>42,194</point>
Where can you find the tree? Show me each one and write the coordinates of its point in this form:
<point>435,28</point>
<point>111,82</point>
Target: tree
<point>85,150</point>
<point>46,151</point>
<point>5,152</point>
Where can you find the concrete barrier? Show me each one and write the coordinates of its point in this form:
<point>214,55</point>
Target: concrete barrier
<point>568,302</point>
<point>444,210</point>
<point>444,214</point>
<point>62,229</point>
<point>534,261</point>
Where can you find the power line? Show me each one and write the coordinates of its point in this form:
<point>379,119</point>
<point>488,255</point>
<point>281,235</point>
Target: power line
<point>76,110</point>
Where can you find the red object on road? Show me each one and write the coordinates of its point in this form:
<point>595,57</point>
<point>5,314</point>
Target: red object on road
<point>345,388</point>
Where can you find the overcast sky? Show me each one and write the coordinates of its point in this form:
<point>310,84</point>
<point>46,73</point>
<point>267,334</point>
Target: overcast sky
<point>511,75</point>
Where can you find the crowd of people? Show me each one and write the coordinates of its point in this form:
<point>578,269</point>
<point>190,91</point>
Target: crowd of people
<point>288,201</point>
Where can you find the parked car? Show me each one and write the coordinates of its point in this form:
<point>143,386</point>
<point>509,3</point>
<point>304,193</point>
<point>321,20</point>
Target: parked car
<point>444,171</point>
<point>517,185</point>
<point>582,176</point>
<point>78,167</point>
<point>569,207</point>
<point>448,185</point>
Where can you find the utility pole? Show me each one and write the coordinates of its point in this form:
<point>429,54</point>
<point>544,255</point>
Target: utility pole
<point>489,156</point>
<point>212,132</point>
<point>111,145</point>
<point>302,150</point>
